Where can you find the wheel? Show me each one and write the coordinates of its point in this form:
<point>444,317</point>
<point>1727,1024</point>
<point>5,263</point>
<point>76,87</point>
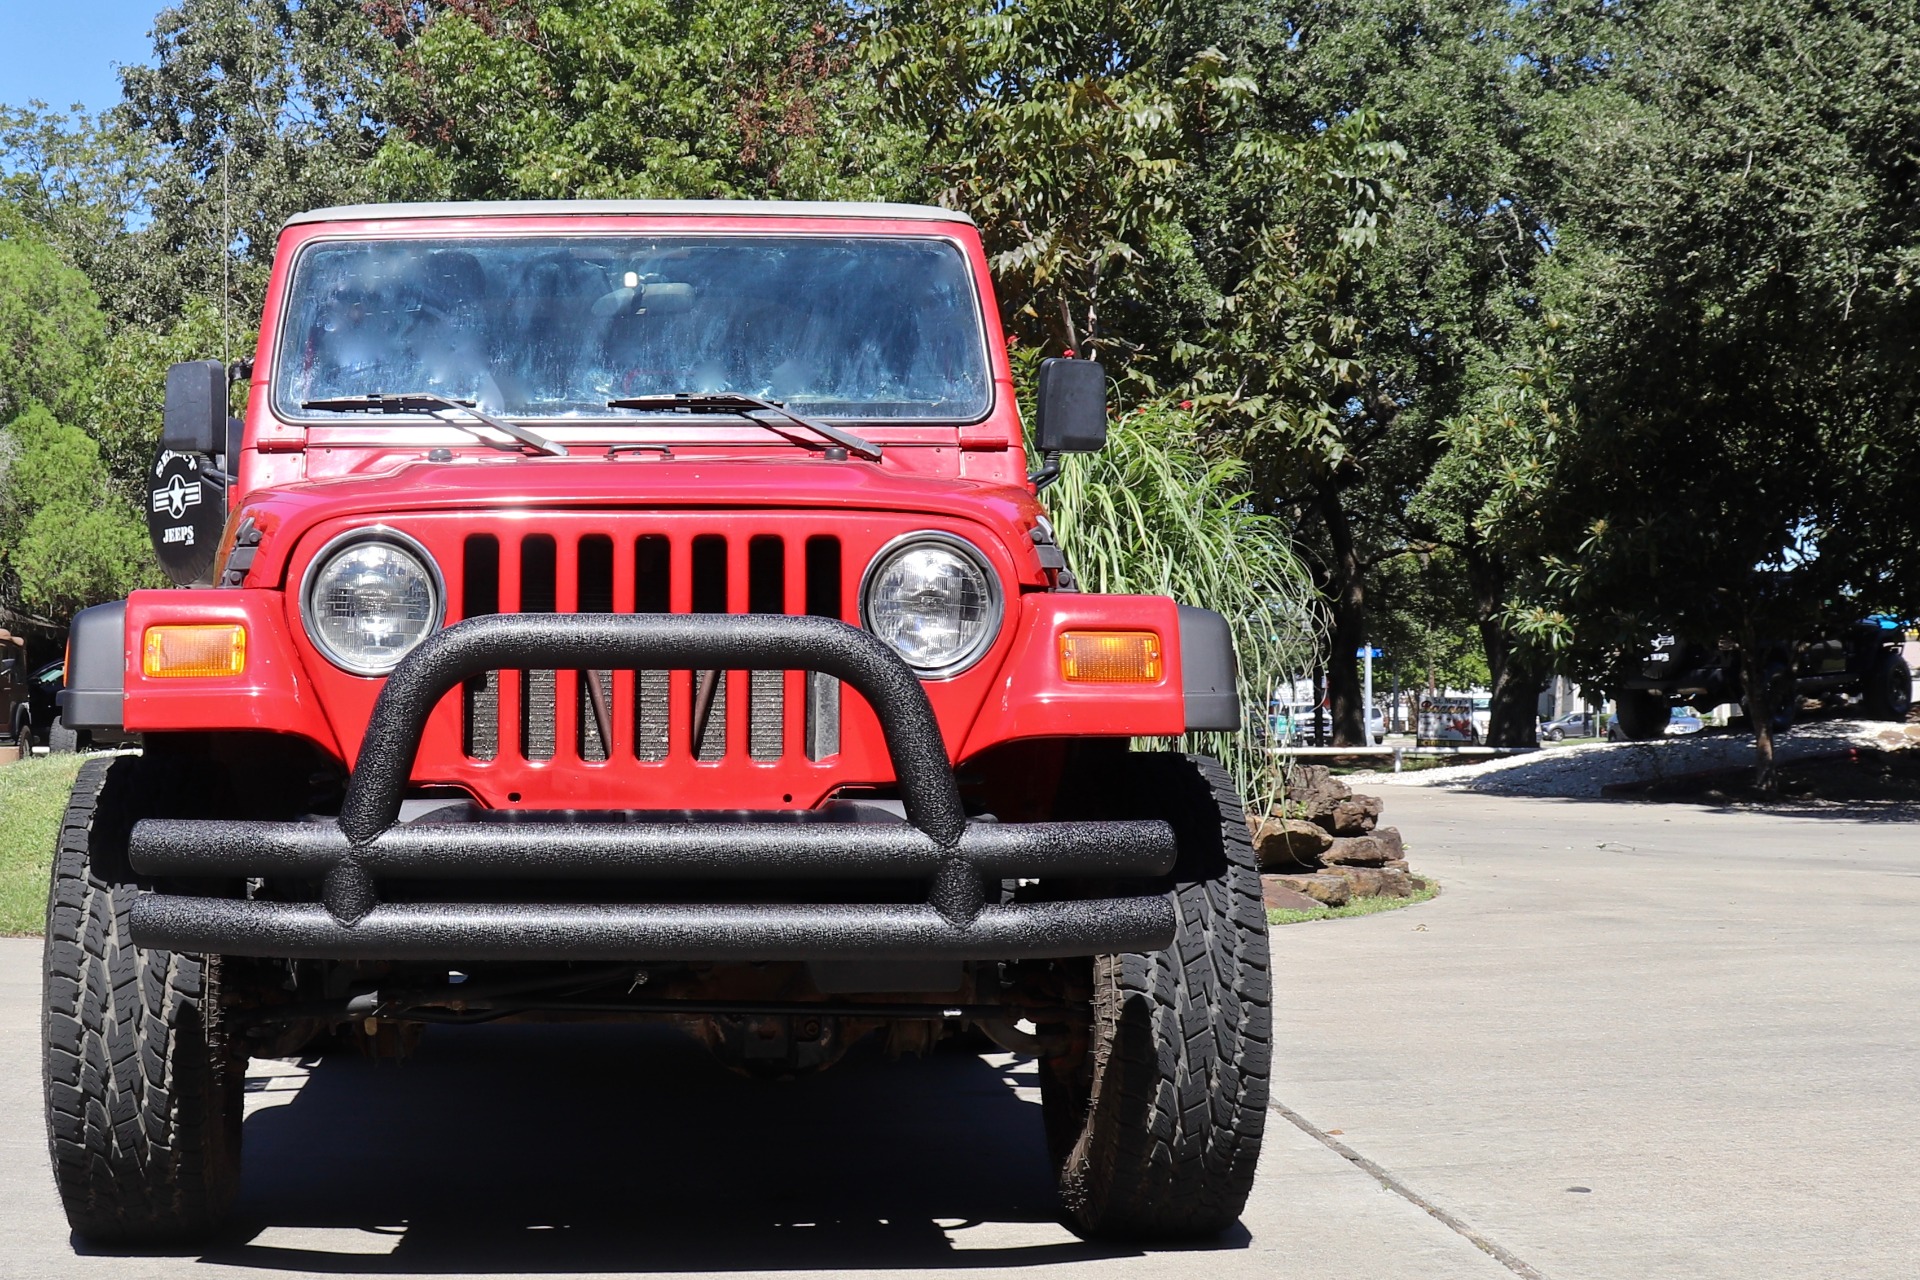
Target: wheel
<point>60,739</point>
<point>1642,713</point>
<point>143,1085</point>
<point>1887,691</point>
<point>1553,735</point>
<point>23,730</point>
<point>1155,1131</point>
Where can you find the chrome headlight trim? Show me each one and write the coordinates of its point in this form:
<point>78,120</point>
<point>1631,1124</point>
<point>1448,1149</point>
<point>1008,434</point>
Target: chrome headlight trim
<point>341,542</point>
<point>952,542</point>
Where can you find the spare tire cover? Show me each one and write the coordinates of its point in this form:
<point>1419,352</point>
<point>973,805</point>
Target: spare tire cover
<point>185,512</point>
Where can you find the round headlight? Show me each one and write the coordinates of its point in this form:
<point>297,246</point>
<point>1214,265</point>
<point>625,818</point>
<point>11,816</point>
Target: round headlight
<point>935,600</point>
<point>370,597</point>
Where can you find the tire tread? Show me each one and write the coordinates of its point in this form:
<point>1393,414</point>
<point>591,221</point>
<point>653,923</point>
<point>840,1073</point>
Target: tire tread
<point>1182,1045</point>
<point>142,1091</point>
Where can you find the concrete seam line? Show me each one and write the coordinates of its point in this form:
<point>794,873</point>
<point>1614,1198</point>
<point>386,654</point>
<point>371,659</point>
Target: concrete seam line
<point>1498,1253</point>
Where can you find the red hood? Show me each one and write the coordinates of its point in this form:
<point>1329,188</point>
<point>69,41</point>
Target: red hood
<point>632,482</point>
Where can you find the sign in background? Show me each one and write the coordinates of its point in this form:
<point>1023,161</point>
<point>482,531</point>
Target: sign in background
<point>1445,722</point>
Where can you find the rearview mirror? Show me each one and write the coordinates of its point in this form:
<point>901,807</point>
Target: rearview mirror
<point>1072,409</point>
<point>195,417</point>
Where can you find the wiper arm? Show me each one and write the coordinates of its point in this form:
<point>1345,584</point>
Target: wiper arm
<point>434,406</point>
<point>735,401</point>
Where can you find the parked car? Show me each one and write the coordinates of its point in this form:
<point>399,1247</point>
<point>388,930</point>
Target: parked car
<point>1581,724</point>
<point>16,712</point>
<point>1680,722</point>
<point>1296,722</point>
<point>1482,715</point>
<point>1860,663</point>
<point>1683,721</point>
<point>43,694</point>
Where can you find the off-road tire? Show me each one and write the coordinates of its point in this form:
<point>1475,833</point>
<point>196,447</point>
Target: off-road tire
<point>1157,1135</point>
<point>143,1087</point>
<point>1887,691</point>
<point>62,740</point>
<point>1642,714</point>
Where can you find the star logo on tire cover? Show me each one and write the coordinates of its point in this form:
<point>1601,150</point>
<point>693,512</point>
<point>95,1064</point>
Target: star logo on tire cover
<point>176,496</point>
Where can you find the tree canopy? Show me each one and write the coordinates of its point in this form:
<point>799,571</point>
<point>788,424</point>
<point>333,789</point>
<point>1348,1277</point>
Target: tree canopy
<point>1543,323</point>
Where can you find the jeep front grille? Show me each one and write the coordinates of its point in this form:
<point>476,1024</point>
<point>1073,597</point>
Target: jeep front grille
<point>555,717</point>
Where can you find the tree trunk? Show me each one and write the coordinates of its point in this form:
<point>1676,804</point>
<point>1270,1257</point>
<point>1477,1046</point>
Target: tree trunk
<point>1515,684</point>
<point>1347,602</point>
<point>1758,702</point>
<point>1515,717</point>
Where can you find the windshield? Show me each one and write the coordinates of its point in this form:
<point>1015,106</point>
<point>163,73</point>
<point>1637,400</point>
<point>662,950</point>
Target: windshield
<point>554,327</point>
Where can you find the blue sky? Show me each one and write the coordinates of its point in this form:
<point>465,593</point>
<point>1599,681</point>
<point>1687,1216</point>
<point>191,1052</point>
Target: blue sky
<point>64,51</point>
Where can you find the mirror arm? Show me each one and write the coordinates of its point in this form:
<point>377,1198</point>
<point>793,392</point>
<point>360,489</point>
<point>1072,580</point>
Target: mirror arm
<point>1049,470</point>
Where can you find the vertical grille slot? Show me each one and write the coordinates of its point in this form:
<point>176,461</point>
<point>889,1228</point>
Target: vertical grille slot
<point>480,595</point>
<point>766,593</point>
<point>824,600</point>
<point>593,582</point>
<point>708,709</point>
<point>538,581</point>
<point>652,593</point>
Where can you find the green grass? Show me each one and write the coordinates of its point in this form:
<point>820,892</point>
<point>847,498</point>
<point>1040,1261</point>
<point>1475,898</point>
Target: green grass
<point>1356,907</point>
<point>33,794</point>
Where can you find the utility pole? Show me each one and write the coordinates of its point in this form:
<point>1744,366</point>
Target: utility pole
<point>1366,696</point>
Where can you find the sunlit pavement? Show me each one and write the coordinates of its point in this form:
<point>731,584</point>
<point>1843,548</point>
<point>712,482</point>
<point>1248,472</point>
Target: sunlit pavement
<point>1708,1021</point>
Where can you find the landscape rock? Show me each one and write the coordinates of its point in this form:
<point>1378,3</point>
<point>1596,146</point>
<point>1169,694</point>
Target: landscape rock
<point>1357,851</point>
<point>1312,793</point>
<point>1376,882</point>
<point>1280,898</point>
<point>1390,837</point>
<point>1354,816</point>
<point>1323,887</point>
<point>1290,844</point>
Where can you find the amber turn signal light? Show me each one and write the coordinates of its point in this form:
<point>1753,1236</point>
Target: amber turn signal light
<point>195,651</point>
<point>1110,657</point>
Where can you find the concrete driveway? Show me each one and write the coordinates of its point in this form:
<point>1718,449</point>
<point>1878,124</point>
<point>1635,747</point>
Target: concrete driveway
<point>1706,1021</point>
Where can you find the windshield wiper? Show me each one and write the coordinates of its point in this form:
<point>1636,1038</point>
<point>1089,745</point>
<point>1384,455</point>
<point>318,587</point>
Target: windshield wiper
<point>434,406</point>
<point>734,402</point>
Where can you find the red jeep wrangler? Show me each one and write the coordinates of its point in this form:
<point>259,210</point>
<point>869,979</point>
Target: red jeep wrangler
<point>643,609</point>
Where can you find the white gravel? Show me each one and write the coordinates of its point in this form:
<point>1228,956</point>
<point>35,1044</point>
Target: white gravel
<point>1584,771</point>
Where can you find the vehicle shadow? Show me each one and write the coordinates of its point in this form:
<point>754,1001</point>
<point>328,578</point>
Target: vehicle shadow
<point>566,1149</point>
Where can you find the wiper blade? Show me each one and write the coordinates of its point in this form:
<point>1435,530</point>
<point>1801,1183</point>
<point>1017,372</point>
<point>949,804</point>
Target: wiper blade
<point>434,406</point>
<point>735,401</point>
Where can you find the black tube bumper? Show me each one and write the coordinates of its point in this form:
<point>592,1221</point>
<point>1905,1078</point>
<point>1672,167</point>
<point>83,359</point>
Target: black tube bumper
<point>935,842</point>
<point>652,932</point>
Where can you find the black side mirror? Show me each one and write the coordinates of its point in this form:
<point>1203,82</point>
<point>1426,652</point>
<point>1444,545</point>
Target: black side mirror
<point>1072,415</point>
<point>195,419</point>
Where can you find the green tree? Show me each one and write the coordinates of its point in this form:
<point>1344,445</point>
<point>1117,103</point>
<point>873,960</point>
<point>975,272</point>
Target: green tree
<point>634,98</point>
<point>1411,313</point>
<point>66,541</point>
<point>80,182</point>
<point>1740,253</point>
<point>51,328</point>
<point>253,110</point>
<point>1069,131</point>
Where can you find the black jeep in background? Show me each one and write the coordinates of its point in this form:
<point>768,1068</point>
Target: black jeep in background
<point>1860,664</point>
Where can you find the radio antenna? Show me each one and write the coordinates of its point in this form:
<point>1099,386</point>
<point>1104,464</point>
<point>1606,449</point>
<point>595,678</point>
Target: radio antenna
<point>226,255</point>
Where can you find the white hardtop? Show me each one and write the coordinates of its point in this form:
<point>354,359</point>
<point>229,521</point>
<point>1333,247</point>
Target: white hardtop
<point>606,208</point>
